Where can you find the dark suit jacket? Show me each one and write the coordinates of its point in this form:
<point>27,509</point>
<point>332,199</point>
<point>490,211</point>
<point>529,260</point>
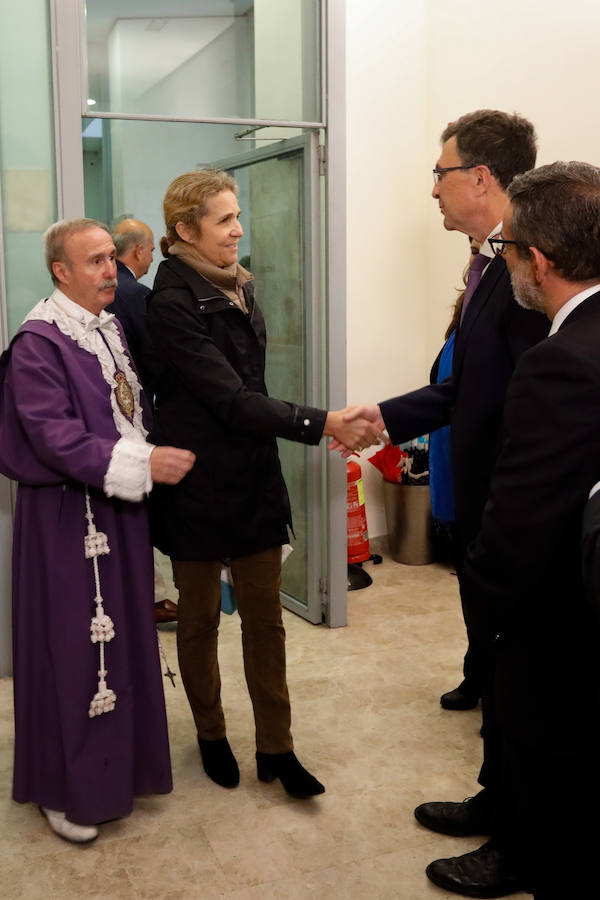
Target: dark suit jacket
<point>590,551</point>
<point>129,306</point>
<point>522,576</point>
<point>212,399</point>
<point>493,335</point>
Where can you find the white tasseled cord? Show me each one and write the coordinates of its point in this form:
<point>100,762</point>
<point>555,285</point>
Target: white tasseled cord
<point>102,628</point>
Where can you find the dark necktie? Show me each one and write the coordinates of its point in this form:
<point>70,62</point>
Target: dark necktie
<point>475,272</point>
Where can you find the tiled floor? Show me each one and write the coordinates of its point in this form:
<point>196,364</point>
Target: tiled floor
<point>366,721</point>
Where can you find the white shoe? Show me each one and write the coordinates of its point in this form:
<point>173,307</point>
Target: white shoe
<point>77,834</point>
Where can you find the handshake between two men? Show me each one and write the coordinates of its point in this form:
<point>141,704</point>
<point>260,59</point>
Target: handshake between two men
<point>355,428</point>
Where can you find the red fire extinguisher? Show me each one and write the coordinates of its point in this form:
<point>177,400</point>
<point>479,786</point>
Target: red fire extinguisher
<point>358,536</point>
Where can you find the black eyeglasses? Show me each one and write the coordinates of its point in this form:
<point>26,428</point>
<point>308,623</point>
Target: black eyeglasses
<point>440,171</point>
<point>499,244</point>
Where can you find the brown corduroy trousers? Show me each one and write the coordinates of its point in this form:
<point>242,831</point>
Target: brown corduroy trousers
<point>257,580</point>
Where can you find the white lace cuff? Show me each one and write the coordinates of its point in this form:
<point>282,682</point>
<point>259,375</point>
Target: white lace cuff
<point>128,474</point>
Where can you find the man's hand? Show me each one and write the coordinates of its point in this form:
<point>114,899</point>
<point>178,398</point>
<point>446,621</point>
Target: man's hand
<point>168,465</point>
<point>372,413</point>
<point>351,431</point>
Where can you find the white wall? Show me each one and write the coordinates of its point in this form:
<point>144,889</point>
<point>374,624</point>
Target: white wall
<point>541,63</point>
<point>388,180</point>
<point>412,67</point>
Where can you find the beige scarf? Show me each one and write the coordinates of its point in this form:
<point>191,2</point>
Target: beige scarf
<point>229,280</point>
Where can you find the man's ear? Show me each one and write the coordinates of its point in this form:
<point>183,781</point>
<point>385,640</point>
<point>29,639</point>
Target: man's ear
<point>541,264</point>
<point>483,177</point>
<point>59,270</point>
<point>138,250</point>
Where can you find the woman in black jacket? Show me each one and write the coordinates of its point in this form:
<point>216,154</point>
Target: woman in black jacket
<point>233,506</point>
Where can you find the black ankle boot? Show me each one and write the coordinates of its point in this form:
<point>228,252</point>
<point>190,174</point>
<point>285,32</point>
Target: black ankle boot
<point>293,776</point>
<point>219,762</point>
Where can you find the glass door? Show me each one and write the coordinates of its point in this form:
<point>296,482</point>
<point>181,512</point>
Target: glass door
<point>158,91</point>
<point>127,167</point>
<point>280,204</point>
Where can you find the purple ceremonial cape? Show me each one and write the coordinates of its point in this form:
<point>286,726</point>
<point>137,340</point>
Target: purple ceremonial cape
<point>57,434</point>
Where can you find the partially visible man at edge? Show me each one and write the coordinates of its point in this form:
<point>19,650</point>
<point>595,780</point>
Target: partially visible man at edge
<point>90,724</point>
<point>481,153</point>
<point>524,571</point>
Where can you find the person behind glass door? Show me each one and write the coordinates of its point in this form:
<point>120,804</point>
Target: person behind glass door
<point>209,333</point>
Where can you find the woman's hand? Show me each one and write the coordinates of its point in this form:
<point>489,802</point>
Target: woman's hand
<point>354,428</point>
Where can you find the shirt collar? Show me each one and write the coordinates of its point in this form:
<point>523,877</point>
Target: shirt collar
<point>570,305</point>
<point>89,321</point>
<point>594,490</point>
<point>486,247</point>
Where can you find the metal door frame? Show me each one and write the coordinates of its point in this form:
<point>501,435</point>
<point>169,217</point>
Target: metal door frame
<point>308,144</point>
<point>70,106</point>
<point>7,496</point>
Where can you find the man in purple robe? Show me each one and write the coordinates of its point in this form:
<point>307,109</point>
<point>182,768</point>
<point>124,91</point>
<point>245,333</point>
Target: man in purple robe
<point>90,722</point>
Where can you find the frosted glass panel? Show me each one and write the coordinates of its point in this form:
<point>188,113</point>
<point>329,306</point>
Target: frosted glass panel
<point>277,257</point>
<point>27,166</point>
<point>219,58</point>
<point>27,178</point>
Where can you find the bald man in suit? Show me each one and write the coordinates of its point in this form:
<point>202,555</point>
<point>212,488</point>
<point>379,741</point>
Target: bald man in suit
<point>134,244</point>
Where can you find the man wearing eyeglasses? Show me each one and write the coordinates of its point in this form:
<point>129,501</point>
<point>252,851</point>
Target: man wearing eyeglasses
<point>524,570</point>
<point>481,153</point>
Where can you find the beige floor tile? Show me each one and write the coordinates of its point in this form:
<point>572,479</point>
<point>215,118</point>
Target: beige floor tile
<point>398,875</point>
<point>366,721</point>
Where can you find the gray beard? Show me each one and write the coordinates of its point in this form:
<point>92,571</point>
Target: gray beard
<point>527,294</point>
